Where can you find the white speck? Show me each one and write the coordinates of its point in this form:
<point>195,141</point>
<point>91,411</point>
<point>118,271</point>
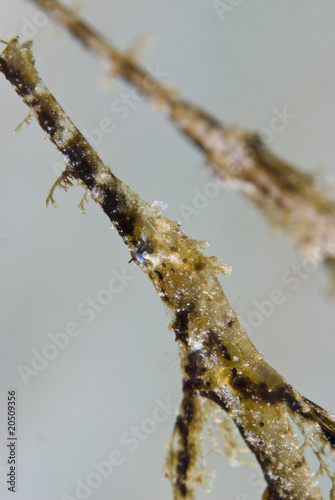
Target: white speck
<point>159,205</point>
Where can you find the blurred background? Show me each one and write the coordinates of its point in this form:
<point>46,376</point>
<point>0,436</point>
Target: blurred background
<point>107,393</point>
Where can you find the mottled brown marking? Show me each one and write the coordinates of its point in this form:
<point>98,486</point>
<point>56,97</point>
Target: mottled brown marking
<point>159,274</point>
<point>199,266</point>
<point>214,343</point>
<point>180,324</point>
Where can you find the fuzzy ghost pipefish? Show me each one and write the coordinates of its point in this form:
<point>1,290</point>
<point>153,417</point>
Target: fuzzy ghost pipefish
<point>219,363</point>
<point>287,196</point>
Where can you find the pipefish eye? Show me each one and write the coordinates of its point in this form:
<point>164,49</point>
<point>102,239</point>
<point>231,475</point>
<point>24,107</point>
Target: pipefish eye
<point>141,249</point>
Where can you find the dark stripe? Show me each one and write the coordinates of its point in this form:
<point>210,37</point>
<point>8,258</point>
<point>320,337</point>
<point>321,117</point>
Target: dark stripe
<point>114,205</point>
<point>261,391</point>
<point>216,398</point>
<point>319,415</point>
<point>184,456</point>
<point>265,463</point>
<point>14,77</point>
<point>80,164</point>
<point>47,121</point>
<point>180,324</point>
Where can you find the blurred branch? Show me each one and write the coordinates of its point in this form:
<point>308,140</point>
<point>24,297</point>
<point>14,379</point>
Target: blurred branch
<point>287,196</point>
<point>220,365</point>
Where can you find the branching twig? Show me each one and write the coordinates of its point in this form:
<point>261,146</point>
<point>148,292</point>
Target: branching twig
<point>286,195</point>
<point>219,362</point>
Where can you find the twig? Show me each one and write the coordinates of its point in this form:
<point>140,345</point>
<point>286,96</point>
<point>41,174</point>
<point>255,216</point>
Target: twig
<point>219,363</point>
<point>286,195</point>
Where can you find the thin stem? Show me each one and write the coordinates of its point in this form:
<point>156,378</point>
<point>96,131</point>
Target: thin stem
<point>219,362</point>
